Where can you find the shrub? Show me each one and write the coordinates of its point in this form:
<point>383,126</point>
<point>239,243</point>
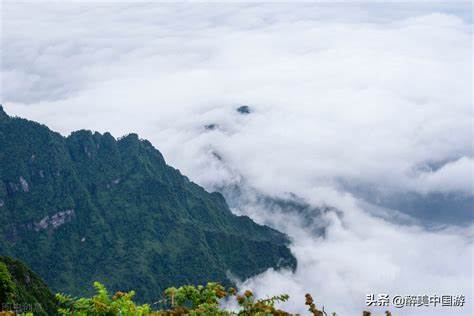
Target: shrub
<point>185,300</point>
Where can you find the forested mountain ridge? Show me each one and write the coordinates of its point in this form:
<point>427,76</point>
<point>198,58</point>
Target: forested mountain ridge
<point>88,207</point>
<point>22,290</point>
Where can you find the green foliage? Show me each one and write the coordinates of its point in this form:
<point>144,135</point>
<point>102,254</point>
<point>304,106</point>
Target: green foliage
<point>7,287</point>
<point>250,306</point>
<point>184,300</point>
<point>135,222</point>
<point>21,287</point>
<point>102,304</point>
<point>195,296</point>
<point>23,290</point>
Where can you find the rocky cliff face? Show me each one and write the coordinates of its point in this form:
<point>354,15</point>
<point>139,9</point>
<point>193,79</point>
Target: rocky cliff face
<point>89,207</point>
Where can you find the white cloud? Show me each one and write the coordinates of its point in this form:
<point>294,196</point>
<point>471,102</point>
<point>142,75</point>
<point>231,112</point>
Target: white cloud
<point>340,94</point>
<point>362,255</point>
<point>454,176</point>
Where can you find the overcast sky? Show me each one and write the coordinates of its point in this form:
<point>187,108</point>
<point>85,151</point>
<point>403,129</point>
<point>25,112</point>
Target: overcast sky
<point>371,95</point>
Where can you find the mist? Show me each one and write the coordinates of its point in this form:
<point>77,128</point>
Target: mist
<point>349,106</point>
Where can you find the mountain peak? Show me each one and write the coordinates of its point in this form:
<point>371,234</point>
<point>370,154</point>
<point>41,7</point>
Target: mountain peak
<point>244,109</point>
<point>118,199</point>
<point>3,114</point>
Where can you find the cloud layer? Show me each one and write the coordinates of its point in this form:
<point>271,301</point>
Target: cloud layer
<point>342,96</point>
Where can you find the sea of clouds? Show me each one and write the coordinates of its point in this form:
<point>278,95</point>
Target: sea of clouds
<point>371,96</point>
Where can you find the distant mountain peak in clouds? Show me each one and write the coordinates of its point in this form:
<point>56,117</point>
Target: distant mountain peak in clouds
<point>244,109</point>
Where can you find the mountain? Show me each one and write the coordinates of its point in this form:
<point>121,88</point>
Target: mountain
<point>21,290</point>
<point>88,207</point>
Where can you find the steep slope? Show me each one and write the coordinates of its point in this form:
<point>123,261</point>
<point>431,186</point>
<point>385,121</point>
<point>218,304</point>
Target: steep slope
<point>90,207</point>
<point>21,290</point>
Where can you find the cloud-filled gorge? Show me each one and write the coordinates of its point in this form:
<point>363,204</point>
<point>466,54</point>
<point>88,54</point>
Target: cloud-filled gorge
<point>358,143</point>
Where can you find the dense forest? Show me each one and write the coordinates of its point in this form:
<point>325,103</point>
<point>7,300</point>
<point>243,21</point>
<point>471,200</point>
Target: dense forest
<point>89,207</point>
<point>22,292</point>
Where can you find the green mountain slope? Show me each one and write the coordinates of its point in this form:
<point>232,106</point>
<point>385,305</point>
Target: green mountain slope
<point>22,290</point>
<point>89,207</point>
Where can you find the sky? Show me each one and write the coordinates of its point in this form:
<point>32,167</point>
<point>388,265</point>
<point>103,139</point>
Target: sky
<point>351,104</point>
